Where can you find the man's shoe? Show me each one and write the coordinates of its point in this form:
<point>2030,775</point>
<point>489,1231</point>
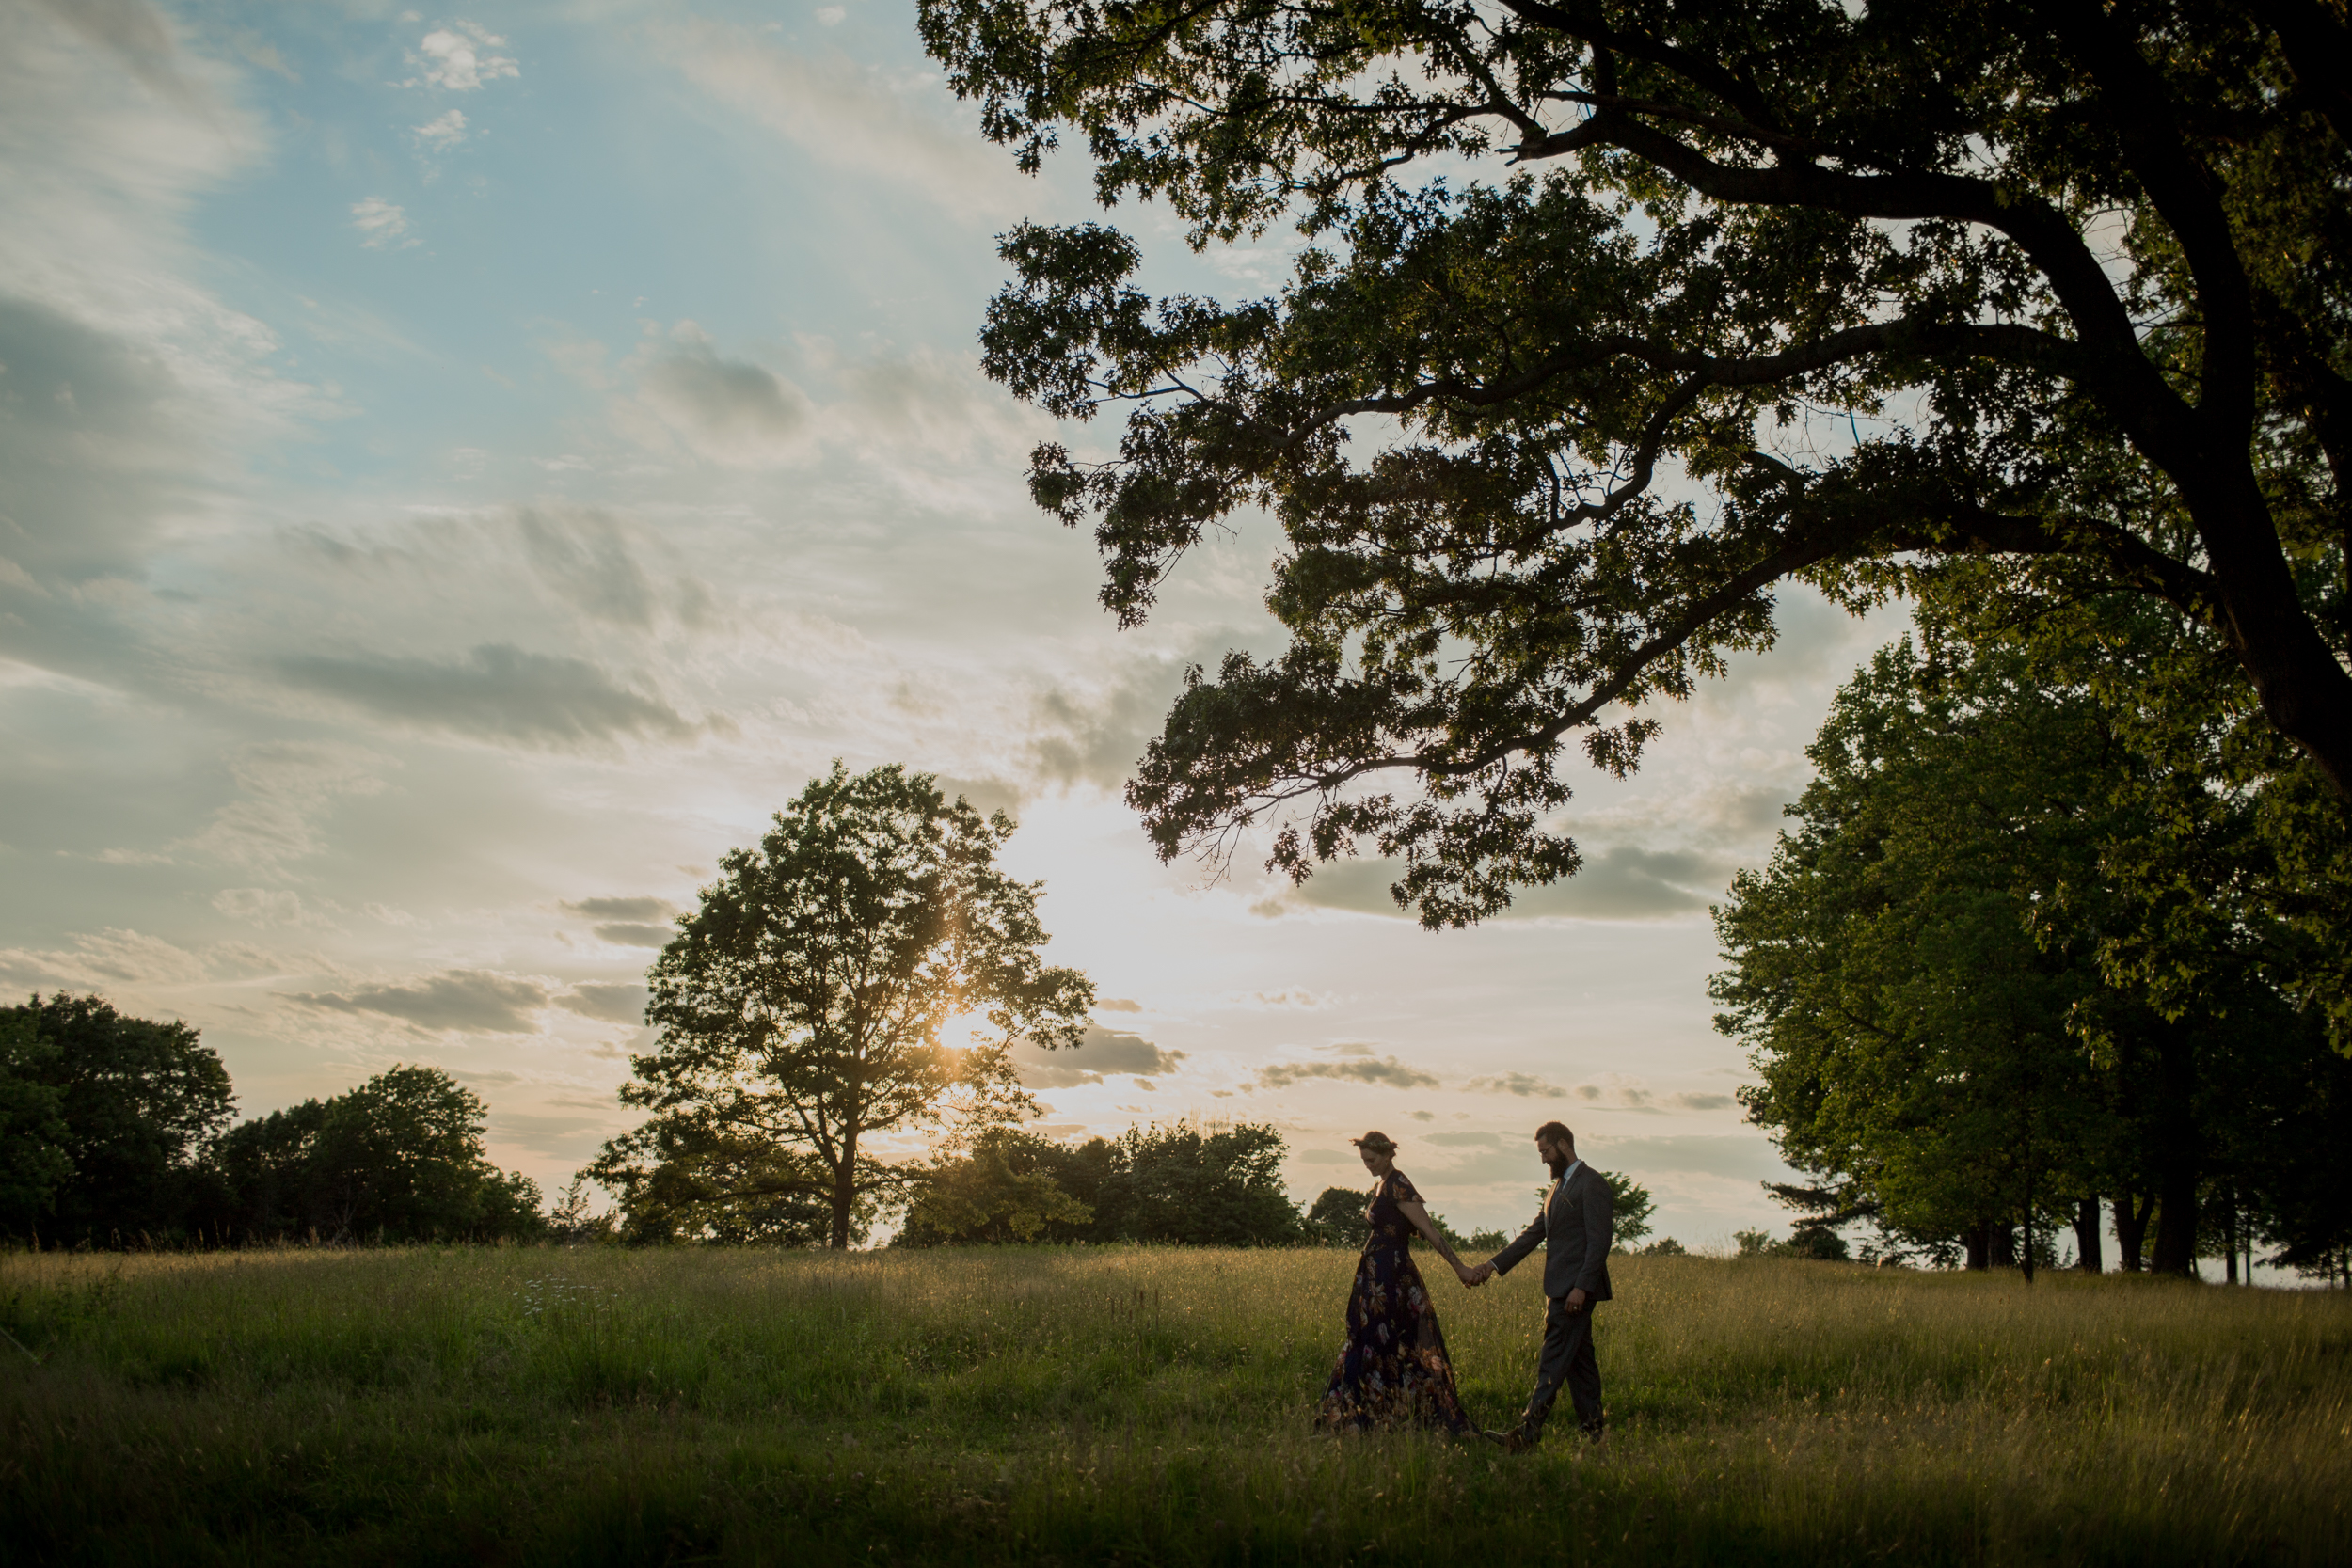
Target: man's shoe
<point>1518,1440</point>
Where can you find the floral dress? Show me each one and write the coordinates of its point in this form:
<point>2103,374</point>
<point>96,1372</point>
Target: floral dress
<point>1392,1370</point>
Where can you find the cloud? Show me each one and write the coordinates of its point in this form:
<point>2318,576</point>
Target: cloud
<point>499,693</point>
<point>1621,1092</point>
<point>288,788</point>
<point>1095,735</point>
<point>268,906</point>
<point>1525,1085</point>
<point>623,909</point>
<point>459,58</point>
<point>137,35</point>
<point>843,113</point>
<point>725,410</point>
<point>1617,881</point>
<point>1101,1052</point>
<point>1728,1154</point>
<point>88,441</point>
<point>583,556</point>
<point>612,1002</point>
<point>829,16</point>
<point>1116,1005</point>
<point>621,933</point>
<point>381,223</point>
<point>443,132</point>
<point>1356,1069</point>
<point>103,960</point>
<point>465,999</point>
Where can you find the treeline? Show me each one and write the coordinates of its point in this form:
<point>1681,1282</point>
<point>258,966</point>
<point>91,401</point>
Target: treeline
<point>120,1132</point>
<point>2059,940</point>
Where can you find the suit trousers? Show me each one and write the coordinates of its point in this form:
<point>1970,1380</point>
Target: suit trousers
<point>1567,1357</point>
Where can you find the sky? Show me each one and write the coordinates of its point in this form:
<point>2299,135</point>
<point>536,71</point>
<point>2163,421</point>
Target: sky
<point>461,472</point>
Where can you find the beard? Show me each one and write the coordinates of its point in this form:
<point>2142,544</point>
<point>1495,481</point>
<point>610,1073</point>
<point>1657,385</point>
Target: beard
<point>1559,1163</point>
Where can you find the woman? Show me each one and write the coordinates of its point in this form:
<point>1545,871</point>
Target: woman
<point>1393,1368</point>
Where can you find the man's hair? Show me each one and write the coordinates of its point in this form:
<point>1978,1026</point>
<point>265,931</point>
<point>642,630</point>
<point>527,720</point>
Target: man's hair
<point>1558,1133</point>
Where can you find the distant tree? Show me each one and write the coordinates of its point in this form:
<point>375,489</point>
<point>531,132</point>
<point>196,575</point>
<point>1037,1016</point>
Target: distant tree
<point>1220,1187</point>
<point>1488,1241</point>
<point>1631,1209</point>
<point>573,1219</point>
<point>801,1007</point>
<point>1181,1184</point>
<point>33,1133</point>
<point>398,1158</point>
<point>1665,1246</point>
<point>140,1102</point>
<point>1003,1188</point>
<point>1340,1212</point>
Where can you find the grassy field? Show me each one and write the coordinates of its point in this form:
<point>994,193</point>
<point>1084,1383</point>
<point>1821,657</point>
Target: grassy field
<point>1137,1407</point>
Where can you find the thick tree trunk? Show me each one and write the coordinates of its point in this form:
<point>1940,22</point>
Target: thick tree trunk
<point>2004,1246</point>
<point>2228,1240</point>
<point>2132,1214</point>
<point>2177,1153</point>
<point>844,1193</point>
<point>2087,1249</point>
<point>1979,1240</point>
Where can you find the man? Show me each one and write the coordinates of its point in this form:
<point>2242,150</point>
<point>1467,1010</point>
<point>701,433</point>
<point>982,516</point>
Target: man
<point>1574,1227</point>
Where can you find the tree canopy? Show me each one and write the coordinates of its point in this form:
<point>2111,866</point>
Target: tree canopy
<point>1643,309</point>
<point>1944,978</point>
<point>398,1158</point>
<point>108,1119</point>
<point>802,1008</point>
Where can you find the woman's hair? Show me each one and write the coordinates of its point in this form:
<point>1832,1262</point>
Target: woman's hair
<point>1379,1143</point>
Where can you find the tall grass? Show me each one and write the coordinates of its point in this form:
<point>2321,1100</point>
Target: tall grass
<point>1137,1405</point>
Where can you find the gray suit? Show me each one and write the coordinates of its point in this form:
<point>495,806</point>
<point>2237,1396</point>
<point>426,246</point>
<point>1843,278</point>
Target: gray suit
<point>1574,1227</point>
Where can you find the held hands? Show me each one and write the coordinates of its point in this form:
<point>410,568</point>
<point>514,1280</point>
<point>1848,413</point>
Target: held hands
<point>1474,1276</point>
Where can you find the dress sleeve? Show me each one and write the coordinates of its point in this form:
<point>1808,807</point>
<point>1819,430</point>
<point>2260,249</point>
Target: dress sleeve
<point>1401,1189</point>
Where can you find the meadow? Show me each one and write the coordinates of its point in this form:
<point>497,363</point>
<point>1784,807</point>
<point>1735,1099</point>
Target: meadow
<point>1134,1406</point>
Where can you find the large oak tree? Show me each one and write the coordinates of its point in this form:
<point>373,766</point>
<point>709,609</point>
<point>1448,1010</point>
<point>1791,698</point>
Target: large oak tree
<point>1616,316</point>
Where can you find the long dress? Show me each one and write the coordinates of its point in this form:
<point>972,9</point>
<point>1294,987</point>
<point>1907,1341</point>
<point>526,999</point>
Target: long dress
<point>1393,1370</point>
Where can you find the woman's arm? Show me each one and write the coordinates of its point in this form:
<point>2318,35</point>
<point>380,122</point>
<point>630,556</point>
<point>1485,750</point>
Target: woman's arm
<point>1419,1214</point>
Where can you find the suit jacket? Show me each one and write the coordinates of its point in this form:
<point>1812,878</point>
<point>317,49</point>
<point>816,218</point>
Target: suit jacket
<point>1573,1225</point>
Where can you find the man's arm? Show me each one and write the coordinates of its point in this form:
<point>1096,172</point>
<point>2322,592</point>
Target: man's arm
<point>1598,1211</point>
<point>1501,1261</point>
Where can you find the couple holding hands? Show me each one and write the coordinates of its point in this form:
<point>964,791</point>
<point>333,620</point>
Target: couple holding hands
<point>1393,1368</point>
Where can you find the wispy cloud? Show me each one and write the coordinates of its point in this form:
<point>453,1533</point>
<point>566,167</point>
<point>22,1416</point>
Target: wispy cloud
<point>458,999</point>
<point>846,115</point>
<point>381,224</point>
<point>498,692</point>
<point>1101,1052</point>
<point>1525,1085</point>
<point>443,132</point>
<point>1353,1070</point>
<point>461,57</point>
